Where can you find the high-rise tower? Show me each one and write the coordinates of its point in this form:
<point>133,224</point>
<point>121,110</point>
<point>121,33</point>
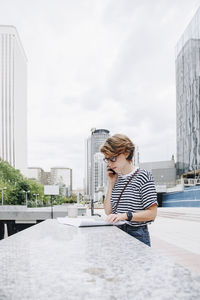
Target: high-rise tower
<point>13,98</point>
<point>95,182</point>
<point>188,97</point>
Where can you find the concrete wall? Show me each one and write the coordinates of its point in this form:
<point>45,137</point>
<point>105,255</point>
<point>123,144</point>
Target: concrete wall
<point>190,197</point>
<point>164,172</point>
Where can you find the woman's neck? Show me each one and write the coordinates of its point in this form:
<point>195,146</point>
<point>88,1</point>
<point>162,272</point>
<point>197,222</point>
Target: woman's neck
<point>127,169</point>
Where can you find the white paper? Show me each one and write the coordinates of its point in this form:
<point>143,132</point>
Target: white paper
<point>86,222</point>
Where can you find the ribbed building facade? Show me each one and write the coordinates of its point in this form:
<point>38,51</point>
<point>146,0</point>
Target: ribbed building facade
<point>188,97</point>
<point>13,98</point>
<point>95,175</point>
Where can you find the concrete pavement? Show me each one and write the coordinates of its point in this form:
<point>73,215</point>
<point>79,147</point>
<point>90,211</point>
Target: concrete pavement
<point>176,233</point>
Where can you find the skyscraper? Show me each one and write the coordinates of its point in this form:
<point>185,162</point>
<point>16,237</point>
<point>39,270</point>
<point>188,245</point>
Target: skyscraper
<point>188,97</point>
<point>13,98</point>
<point>95,177</point>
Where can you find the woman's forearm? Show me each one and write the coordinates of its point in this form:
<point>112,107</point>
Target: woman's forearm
<point>148,214</point>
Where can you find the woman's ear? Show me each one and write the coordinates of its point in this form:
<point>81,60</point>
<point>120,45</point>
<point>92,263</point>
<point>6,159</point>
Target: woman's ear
<point>127,153</point>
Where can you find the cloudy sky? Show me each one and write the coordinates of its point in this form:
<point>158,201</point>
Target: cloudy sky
<point>99,63</point>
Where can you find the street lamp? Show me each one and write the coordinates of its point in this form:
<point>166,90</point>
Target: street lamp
<point>26,197</point>
<point>2,189</point>
<point>36,198</point>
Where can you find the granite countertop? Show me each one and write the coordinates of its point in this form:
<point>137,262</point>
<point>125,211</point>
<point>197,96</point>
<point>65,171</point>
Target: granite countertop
<point>55,261</point>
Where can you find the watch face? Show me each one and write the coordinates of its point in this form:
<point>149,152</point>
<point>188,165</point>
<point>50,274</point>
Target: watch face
<point>129,215</point>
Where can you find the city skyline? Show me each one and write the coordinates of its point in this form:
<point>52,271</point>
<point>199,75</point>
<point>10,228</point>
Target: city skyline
<point>107,64</point>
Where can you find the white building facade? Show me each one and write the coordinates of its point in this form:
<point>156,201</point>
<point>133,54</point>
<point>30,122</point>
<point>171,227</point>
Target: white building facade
<point>34,173</point>
<point>63,177</point>
<point>57,176</point>
<point>100,181</point>
<point>13,99</point>
<point>87,179</point>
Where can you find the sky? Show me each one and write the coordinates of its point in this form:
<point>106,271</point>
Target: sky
<point>99,64</point>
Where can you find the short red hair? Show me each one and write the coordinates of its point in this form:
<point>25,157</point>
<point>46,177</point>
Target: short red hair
<point>118,144</point>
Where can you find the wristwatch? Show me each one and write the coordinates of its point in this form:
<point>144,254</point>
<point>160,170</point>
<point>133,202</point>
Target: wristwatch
<point>129,215</point>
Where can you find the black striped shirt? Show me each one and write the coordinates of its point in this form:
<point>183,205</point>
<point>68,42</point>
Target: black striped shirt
<point>139,194</point>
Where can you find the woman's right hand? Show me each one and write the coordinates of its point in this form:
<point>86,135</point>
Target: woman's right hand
<point>111,177</point>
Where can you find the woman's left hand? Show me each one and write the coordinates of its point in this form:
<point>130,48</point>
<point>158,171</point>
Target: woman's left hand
<point>113,218</point>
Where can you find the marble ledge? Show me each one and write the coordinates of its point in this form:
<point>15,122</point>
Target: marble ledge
<point>55,261</point>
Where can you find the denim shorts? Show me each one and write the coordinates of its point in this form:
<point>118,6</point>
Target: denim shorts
<point>141,233</point>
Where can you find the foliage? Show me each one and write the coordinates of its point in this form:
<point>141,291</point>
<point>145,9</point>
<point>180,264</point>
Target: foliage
<point>16,184</point>
<point>62,199</point>
<point>69,200</point>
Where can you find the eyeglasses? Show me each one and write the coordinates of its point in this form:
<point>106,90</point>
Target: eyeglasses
<point>112,159</point>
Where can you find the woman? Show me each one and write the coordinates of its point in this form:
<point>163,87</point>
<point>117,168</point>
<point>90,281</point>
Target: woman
<point>131,194</point>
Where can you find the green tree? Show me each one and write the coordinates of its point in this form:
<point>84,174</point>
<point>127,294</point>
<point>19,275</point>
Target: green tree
<point>16,184</point>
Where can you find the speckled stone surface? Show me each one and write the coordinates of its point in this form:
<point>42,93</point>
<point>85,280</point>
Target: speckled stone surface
<point>55,261</point>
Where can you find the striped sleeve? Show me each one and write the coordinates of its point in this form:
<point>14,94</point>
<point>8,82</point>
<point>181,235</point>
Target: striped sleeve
<point>148,192</point>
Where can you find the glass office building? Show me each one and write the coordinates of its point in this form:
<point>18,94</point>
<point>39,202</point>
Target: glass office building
<point>188,97</point>
<point>95,177</point>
